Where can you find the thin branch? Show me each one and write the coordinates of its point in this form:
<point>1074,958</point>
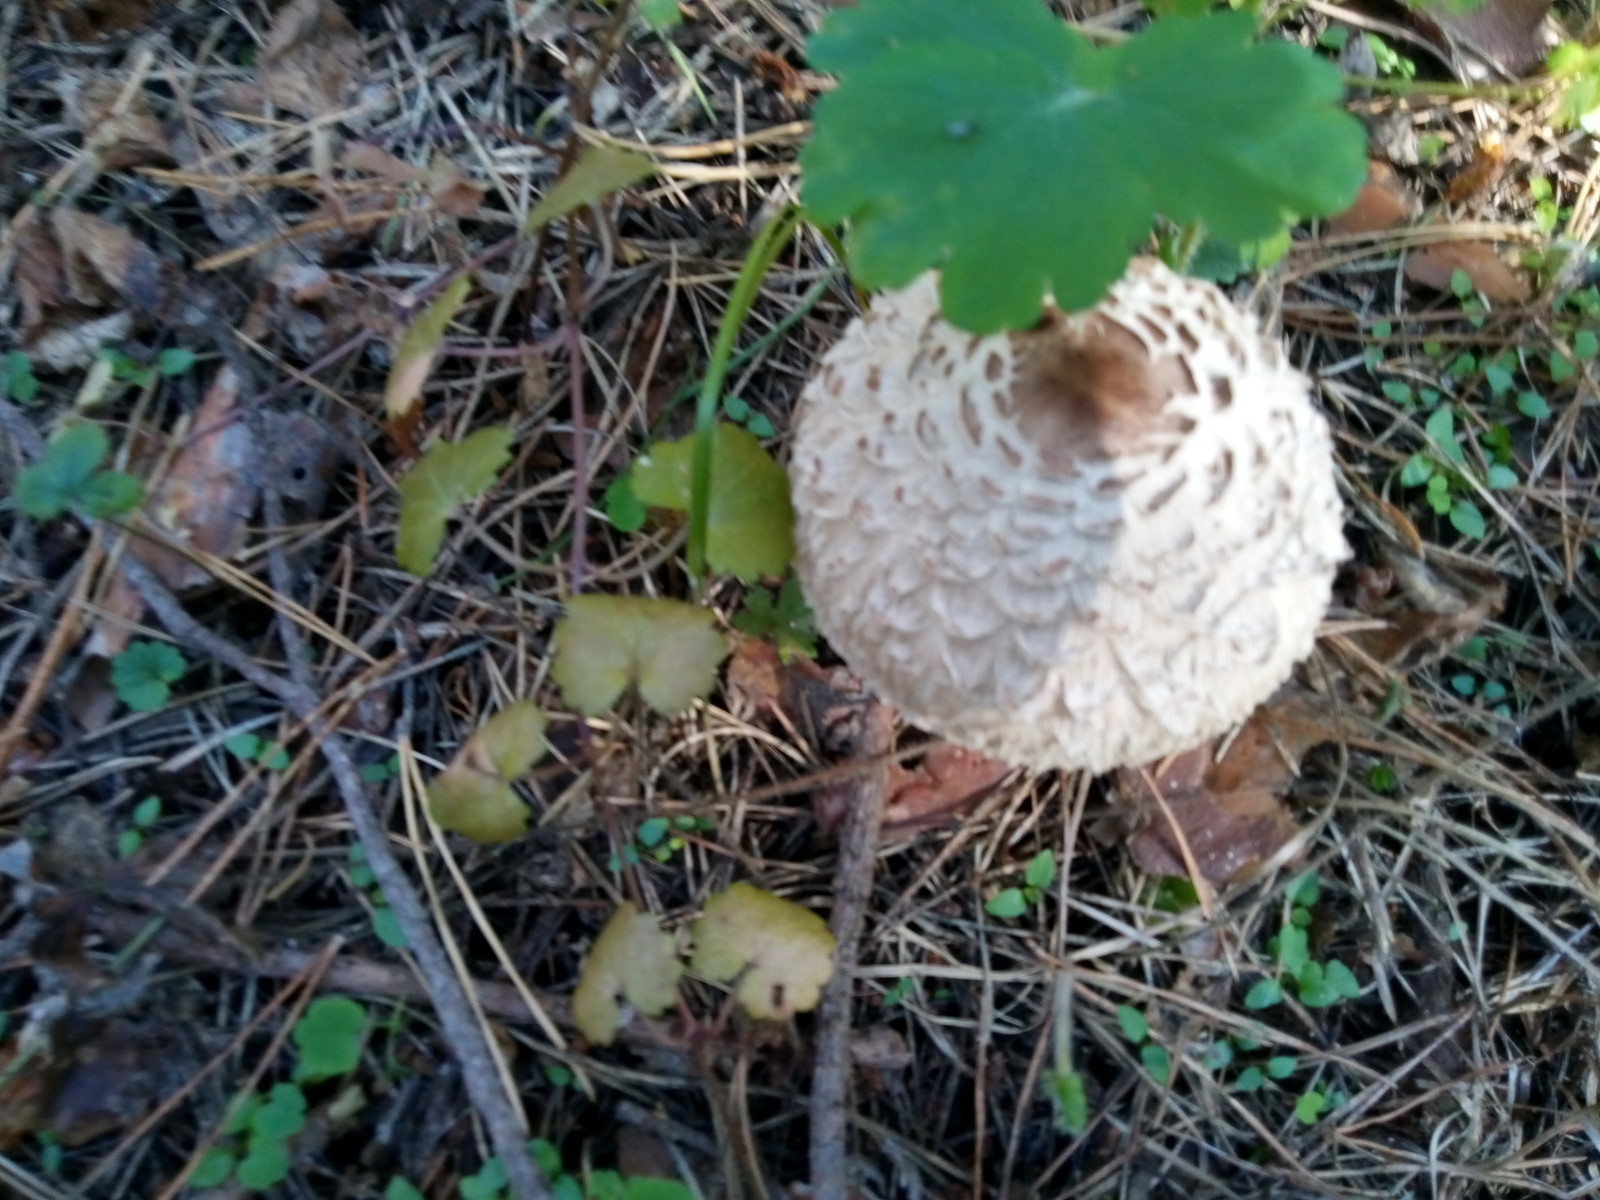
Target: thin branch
<point>461,1033</point>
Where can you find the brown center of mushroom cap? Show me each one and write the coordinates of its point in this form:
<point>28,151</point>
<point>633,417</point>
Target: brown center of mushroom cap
<point>1086,387</point>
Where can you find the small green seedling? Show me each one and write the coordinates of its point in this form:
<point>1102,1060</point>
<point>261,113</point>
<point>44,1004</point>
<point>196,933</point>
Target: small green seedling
<point>1066,1091</point>
<point>1154,1056</point>
<point>250,748</point>
<point>68,476</point>
<point>384,923</point>
<point>174,360</point>
<point>788,621</point>
<point>1317,984</point>
<point>1012,902</point>
<point>254,1149</point>
<point>142,674</point>
<point>899,992</point>
<point>489,1183</point>
<point>660,838</point>
<point>740,413</point>
<point>382,772</point>
<point>1440,470</point>
<point>17,381</point>
<point>145,814</point>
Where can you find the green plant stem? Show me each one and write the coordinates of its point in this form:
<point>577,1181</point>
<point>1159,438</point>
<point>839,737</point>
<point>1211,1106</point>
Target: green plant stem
<point>772,238</point>
<point>1435,87</point>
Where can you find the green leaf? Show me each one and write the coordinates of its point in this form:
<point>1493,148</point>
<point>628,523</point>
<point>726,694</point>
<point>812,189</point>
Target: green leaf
<point>1156,1060</point>
<point>790,622</point>
<point>1313,986</point>
<point>488,1184</point>
<point>660,15</point>
<point>642,1187</point>
<point>1218,1056</point>
<point>445,477</point>
<point>546,1157</point>
<point>1501,478</point>
<point>1134,1027</point>
<point>283,1115</point>
<point>110,493</point>
<point>243,1112</point>
<point>652,831</point>
<point>214,1168</point>
<point>1007,904</point>
<point>1461,284</point>
<point>988,139</point>
<point>1531,404</point>
<point>128,843</point>
<point>669,649</point>
<point>1561,368</point>
<point>1399,393</point>
<point>780,953</point>
<point>624,509</point>
<point>1304,890</point>
<point>1041,871</point>
<point>1281,1066</point>
<point>1585,344</point>
<point>18,382</point>
<point>1464,515</point>
<point>386,928</point>
<point>1293,951</point>
<point>1072,1101</point>
<point>265,1165</point>
<point>473,796</point>
<point>1250,1080</point>
<point>1464,684</point>
<point>400,1189</point>
<point>244,746</point>
<point>174,360</point>
<point>1342,979</point>
<point>1309,1107</point>
<point>1264,993</point>
<point>147,812</point>
<point>329,1035</point>
<point>140,675</point>
<point>751,521</point>
<point>413,358</point>
<point>70,459</point>
<point>598,171</point>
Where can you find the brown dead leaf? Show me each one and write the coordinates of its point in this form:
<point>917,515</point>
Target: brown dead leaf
<point>124,132</point>
<point>777,73</point>
<point>450,190</point>
<point>82,281</point>
<point>1229,812</point>
<point>98,255</point>
<point>85,19</point>
<point>1481,173</point>
<point>1510,34</point>
<point>1436,605</point>
<point>1382,203</point>
<point>942,788</point>
<point>755,675</point>
<point>1435,265</point>
<point>210,491</point>
<point>313,61</point>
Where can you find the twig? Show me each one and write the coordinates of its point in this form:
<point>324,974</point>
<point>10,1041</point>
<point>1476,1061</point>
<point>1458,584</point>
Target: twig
<point>461,1033</point>
<point>858,852</point>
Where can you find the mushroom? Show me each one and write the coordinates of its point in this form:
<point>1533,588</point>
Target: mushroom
<point>1091,544</point>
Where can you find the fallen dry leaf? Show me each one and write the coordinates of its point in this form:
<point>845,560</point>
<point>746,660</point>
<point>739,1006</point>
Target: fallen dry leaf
<point>1510,34</point>
<point>1382,203</point>
<point>124,132</point>
<point>1435,266</point>
<point>95,18</point>
<point>1434,606</point>
<point>1230,812</point>
<point>944,785</point>
<point>1488,163</point>
<point>633,959</point>
<point>313,61</point>
<point>780,954</point>
<point>442,180</point>
<point>82,281</point>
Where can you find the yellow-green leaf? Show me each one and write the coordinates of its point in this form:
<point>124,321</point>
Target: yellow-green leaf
<point>413,359</point>
<point>668,649</point>
<point>473,795</point>
<point>788,950</point>
<point>598,171</point>
<point>750,532</point>
<point>445,477</point>
<point>632,960</point>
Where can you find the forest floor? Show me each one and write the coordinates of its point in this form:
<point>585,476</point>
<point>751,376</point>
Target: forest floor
<point>218,221</point>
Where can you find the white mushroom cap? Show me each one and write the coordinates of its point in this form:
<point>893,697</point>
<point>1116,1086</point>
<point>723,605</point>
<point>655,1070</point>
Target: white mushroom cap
<point>1091,544</point>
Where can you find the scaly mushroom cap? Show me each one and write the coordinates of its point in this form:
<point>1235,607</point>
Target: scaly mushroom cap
<point>1091,544</point>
